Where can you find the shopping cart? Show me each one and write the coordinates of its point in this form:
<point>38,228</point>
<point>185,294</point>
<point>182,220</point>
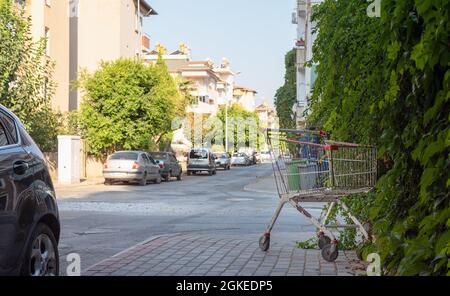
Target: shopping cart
<point>319,171</point>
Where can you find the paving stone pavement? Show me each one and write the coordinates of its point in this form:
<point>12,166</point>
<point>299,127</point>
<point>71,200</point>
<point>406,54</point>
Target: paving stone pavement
<point>207,255</point>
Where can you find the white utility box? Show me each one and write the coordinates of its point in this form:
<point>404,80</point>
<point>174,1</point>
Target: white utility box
<point>69,149</point>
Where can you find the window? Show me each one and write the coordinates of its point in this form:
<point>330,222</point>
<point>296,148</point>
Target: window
<point>124,156</point>
<point>203,99</point>
<point>10,126</point>
<point>47,41</point>
<point>198,154</point>
<point>3,137</point>
<point>145,159</point>
<point>158,156</point>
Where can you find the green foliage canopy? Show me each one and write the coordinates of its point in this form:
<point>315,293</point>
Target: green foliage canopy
<point>286,96</point>
<point>26,84</point>
<point>386,81</point>
<point>127,105</point>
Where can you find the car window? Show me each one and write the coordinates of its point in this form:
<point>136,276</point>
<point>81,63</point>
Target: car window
<point>3,137</point>
<point>198,154</point>
<point>145,158</point>
<point>124,156</point>
<point>173,159</point>
<point>151,159</point>
<point>159,156</point>
<point>10,126</point>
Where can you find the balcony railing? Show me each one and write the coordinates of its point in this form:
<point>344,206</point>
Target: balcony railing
<point>302,6</point>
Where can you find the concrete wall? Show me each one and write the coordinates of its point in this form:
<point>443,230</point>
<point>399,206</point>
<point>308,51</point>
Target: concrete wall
<point>98,32</point>
<point>91,167</point>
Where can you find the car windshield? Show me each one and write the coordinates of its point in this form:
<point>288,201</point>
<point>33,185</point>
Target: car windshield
<point>221,155</point>
<point>124,156</point>
<point>198,154</point>
<point>158,156</point>
<point>238,155</point>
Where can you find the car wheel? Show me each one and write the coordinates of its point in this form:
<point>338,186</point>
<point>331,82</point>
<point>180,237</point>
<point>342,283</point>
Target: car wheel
<point>143,182</point>
<point>167,177</point>
<point>158,180</point>
<point>41,256</point>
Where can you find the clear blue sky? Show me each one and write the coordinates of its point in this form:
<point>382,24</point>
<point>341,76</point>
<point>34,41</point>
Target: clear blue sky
<point>253,34</point>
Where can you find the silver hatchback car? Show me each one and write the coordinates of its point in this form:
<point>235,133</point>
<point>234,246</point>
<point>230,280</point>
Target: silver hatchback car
<point>131,166</point>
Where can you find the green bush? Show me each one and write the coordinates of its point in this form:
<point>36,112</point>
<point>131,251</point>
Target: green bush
<point>127,105</point>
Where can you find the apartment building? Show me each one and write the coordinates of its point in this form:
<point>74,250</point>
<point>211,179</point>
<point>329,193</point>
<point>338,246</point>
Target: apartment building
<point>50,20</point>
<point>82,33</point>
<point>213,86</point>
<point>302,17</point>
<point>245,96</point>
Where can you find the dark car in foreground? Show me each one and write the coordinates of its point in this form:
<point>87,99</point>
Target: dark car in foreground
<point>29,219</point>
<point>168,164</point>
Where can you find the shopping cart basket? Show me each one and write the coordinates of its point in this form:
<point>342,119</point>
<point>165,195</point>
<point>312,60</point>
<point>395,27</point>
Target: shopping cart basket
<point>319,171</point>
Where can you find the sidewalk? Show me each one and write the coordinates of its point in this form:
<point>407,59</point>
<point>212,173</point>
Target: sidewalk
<point>221,255</point>
<point>84,182</point>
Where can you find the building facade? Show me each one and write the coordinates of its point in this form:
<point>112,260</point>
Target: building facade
<point>82,33</point>
<point>244,96</point>
<point>302,17</point>
<point>213,86</point>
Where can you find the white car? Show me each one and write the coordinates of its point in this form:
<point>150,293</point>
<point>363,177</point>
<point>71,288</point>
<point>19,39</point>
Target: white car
<point>266,157</point>
<point>240,159</point>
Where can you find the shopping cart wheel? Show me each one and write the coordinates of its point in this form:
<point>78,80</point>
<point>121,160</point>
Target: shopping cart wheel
<point>330,252</point>
<point>264,242</point>
<point>323,240</point>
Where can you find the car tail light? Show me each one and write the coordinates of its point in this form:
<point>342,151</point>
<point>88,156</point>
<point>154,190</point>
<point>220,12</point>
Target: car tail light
<point>135,165</point>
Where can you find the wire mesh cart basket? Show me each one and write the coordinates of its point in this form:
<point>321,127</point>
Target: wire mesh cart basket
<point>308,168</point>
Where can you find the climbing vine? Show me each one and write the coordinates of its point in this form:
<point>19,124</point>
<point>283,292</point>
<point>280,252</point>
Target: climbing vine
<point>385,81</point>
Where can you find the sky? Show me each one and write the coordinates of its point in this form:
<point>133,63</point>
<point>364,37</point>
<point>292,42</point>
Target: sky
<point>254,35</point>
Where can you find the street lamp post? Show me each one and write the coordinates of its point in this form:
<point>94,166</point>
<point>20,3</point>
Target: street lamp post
<point>226,114</point>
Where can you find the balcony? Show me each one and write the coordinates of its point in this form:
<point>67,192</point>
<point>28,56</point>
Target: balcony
<point>302,6</point>
<point>301,58</point>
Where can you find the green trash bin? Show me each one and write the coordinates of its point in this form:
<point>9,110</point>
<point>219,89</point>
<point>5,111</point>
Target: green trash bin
<point>293,174</point>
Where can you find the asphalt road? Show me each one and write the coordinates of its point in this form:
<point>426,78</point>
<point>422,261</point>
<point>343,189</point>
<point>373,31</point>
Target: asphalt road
<point>99,221</point>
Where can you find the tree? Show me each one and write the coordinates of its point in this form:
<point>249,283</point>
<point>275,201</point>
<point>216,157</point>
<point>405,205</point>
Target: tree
<point>286,96</point>
<point>127,105</point>
<point>386,81</point>
<point>243,127</point>
<point>26,84</point>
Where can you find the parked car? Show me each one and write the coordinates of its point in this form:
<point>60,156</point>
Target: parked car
<point>240,159</point>
<point>131,166</point>
<point>29,219</point>
<point>168,164</point>
<point>223,160</point>
<point>266,157</point>
<point>201,160</point>
<point>255,158</point>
